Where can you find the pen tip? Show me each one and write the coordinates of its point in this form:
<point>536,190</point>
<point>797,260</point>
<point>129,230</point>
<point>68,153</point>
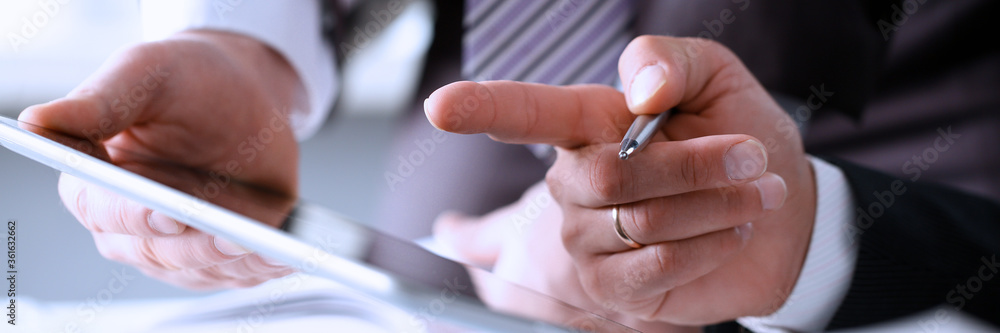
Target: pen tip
<point>623,155</point>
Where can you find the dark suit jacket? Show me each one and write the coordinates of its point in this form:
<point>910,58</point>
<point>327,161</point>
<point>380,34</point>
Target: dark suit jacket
<point>900,74</point>
<point>911,98</point>
<point>931,246</point>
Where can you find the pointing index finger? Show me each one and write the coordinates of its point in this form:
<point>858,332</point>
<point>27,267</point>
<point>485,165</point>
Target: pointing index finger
<point>517,112</point>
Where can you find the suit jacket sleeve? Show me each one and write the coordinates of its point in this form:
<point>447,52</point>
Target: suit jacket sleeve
<point>920,246</point>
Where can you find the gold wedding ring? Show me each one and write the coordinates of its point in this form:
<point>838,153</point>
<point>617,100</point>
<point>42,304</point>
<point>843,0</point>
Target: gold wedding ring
<point>621,231</point>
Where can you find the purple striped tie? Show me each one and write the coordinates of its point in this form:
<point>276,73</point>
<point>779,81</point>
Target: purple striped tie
<point>556,42</point>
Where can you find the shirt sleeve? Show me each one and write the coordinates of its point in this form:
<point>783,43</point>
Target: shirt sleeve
<point>293,28</point>
<point>829,265</point>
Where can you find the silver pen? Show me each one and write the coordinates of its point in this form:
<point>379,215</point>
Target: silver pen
<point>641,132</point>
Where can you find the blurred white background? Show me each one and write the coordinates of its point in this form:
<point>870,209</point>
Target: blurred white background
<point>56,257</point>
<point>48,49</point>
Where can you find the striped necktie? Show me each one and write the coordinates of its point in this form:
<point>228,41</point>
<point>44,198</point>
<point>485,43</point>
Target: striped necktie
<point>555,42</point>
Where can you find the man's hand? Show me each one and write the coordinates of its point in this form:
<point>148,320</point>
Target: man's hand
<point>520,243</point>
<point>207,100</point>
<point>724,201</point>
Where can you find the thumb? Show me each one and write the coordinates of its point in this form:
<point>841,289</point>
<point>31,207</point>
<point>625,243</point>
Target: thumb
<point>110,100</point>
<point>480,240</point>
<point>662,72</point>
<point>475,240</point>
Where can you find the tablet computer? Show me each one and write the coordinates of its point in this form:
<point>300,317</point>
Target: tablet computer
<point>312,239</point>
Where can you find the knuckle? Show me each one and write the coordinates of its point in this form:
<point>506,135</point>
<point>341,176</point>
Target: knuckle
<point>606,192</point>
<point>147,255</point>
<point>121,217</point>
<point>694,171</point>
<point>641,218</point>
<point>531,113</point>
<point>571,232</point>
<point>84,213</point>
<point>209,275</point>
<point>554,180</point>
<point>89,222</point>
<point>667,260</point>
<point>606,180</point>
<point>257,266</point>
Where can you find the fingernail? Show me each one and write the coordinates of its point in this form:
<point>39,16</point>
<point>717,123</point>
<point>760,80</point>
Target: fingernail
<point>746,160</point>
<point>427,114</point>
<point>772,191</point>
<point>163,223</point>
<point>745,231</point>
<point>229,248</point>
<point>646,83</point>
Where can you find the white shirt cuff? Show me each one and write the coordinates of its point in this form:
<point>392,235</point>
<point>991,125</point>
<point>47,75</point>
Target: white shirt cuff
<point>292,28</point>
<point>829,265</point>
